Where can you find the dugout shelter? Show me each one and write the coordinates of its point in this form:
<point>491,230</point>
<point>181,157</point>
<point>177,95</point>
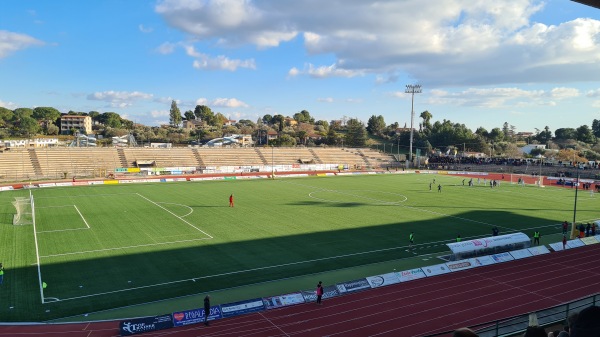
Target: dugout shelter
<point>488,246</point>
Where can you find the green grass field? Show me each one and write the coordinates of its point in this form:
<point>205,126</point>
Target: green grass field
<point>103,247</point>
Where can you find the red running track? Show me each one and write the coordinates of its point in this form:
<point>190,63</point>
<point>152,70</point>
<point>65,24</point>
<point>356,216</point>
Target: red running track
<point>414,308</point>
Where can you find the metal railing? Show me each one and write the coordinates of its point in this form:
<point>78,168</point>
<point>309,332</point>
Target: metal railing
<point>514,325</point>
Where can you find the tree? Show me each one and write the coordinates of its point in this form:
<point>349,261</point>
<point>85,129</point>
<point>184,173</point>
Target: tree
<point>219,119</point>
<point>189,115</point>
<point>29,126</point>
<point>565,133</point>
<point>46,114</point>
<point>175,118</point>
<point>376,125</point>
<point>205,114</point>
<point>278,121</point>
<point>544,136</point>
<point>111,119</point>
<point>426,116</point>
<point>596,128</point>
<point>303,117</point>
<point>482,132</point>
<point>6,116</point>
<point>52,129</point>
<point>584,134</point>
<point>20,113</point>
<point>357,133</point>
<point>496,135</point>
<point>267,119</point>
<point>505,131</point>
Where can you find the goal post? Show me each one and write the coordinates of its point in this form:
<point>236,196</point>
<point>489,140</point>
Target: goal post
<point>24,211</point>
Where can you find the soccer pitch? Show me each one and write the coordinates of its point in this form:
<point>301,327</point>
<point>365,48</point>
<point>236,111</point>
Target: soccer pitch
<point>108,246</point>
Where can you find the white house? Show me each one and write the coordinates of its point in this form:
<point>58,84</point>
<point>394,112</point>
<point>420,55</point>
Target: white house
<point>527,148</point>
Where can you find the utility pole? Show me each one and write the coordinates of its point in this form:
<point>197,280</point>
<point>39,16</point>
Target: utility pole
<point>412,89</point>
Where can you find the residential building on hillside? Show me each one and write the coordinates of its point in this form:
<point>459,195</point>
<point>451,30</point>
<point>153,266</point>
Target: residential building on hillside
<point>73,122</point>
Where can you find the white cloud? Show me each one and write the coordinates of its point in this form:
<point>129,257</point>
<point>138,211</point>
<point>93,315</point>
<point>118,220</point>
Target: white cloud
<point>11,42</point>
<point>293,72</point>
<point>593,93</point>
<point>222,63</point>
<point>229,103</point>
<point>325,100</point>
<point>159,113</point>
<point>563,93</point>
<point>145,29</point>
<point>325,71</point>
<point>8,105</point>
<point>119,99</point>
<point>166,100</point>
<point>166,48</point>
<point>596,104</point>
<point>461,42</point>
<point>501,97</point>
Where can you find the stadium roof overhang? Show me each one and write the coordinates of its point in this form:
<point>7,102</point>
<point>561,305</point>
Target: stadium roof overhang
<point>591,3</point>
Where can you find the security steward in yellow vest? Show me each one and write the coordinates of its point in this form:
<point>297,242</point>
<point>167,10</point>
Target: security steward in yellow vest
<point>536,237</point>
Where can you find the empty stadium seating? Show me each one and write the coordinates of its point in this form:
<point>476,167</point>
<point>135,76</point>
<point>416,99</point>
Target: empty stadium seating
<point>60,162</point>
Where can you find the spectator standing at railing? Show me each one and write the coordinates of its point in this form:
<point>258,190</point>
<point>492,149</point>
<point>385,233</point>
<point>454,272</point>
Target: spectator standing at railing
<point>565,227</point>
<point>206,309</point>
<point>319,292</point>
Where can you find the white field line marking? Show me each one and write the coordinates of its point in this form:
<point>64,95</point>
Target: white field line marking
<point>170,203</point>
<point>228,273</point>
<point>69,229</point>
<point>86,195</point>
<point>177,216</point>
<point>126,247</point>
<point>37,250</point>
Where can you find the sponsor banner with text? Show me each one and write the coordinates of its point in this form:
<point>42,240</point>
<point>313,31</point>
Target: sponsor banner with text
<point>383,280</point>
<point>283,300</point>
<point>409,275</point>
<point>482,260</point>
<point>352,286</point>
<point>538,250</point>
<point>194,316</point>
<point>6,188</point>
<point>520,254</point>
<point>47,185</point>
<point>575,243</point>
<point>502,257</point>
<point>437,269</point>
<point>242,307</point>
<point>64,184</point>
<point>328,292</point>
<point>145,324</point>
<point>557,246</point>
<point>590,240</point>
<point>460,265</point>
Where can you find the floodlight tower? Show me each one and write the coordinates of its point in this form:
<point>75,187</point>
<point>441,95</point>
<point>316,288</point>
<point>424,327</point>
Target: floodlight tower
<point>412,89</point>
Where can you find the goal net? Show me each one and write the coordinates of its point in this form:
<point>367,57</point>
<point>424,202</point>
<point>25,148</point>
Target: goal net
<point>24,214</point>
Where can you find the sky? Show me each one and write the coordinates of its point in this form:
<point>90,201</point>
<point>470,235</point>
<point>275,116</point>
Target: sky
<point>481,63</point>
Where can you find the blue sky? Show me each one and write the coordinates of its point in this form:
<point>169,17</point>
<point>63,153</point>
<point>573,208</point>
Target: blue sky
<point>482,63</point>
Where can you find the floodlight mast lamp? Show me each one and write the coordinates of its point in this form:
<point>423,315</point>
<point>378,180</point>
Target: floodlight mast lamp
<point>412,89</point>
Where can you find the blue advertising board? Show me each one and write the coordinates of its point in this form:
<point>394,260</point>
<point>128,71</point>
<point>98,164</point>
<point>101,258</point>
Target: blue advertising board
<point>242,307</point>
<point>193,316</point>
<point>145,324</point>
